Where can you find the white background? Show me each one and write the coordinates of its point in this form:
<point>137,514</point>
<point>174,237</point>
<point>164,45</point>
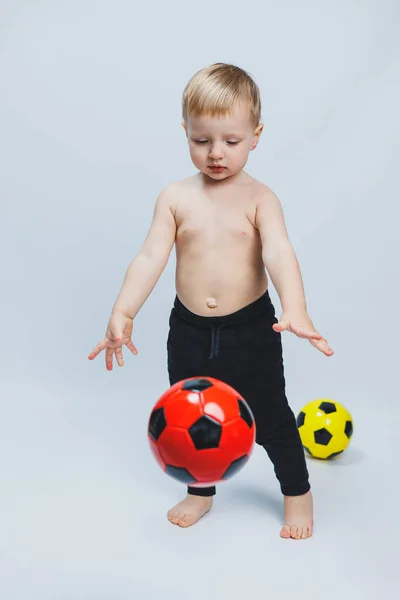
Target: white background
<point>90,112</point>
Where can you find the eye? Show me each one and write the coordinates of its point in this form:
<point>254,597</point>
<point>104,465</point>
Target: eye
<point>205,142</point>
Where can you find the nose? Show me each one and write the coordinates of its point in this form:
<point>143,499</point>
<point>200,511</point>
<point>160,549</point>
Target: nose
<point>216,152</point>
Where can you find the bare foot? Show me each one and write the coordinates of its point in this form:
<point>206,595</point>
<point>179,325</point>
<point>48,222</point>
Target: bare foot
<point>298,513</point>
<point>190,510</point>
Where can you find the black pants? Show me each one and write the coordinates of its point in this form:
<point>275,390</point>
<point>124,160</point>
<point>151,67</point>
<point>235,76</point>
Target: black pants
<point>244,351</point>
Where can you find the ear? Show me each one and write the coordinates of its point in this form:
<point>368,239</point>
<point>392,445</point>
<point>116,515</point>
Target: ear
<point>184,127</point>
<point>256,136</point>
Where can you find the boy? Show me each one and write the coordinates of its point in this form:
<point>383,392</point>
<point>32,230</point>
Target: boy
<point>228,230</point>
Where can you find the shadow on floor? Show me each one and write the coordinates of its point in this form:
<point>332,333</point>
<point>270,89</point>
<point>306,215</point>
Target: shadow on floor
<point>248,495</point>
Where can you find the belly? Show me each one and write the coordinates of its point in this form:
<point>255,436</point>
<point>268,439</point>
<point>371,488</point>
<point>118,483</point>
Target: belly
<point>216,282</point>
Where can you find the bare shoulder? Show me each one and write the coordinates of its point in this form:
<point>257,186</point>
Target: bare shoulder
<point>255,189</point>
<point>170,194</point>
<point>266,201</point>
<point>177,191</point>
<point>257,194</point>
<point>263,192</point>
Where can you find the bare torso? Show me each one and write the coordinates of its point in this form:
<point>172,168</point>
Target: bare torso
<point>219,267</point>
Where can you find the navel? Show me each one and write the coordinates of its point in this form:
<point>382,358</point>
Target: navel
<point>212,303</point>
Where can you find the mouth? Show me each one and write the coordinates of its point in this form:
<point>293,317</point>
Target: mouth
<point>216,167</point>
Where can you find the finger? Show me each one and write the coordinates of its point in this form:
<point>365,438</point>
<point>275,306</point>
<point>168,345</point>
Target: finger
<point>323,346</point>
<point>96,351</point>
<point>327,350</point>
<point>281,326</point>
<point>310,335</point>
<point>109,358</point>
<point>119,357</point>
<point>132,347</point>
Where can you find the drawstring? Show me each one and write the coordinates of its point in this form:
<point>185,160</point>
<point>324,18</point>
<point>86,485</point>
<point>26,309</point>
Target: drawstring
<point>215,331</point>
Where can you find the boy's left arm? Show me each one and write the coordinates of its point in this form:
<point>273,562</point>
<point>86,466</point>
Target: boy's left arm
<point>281,263</point>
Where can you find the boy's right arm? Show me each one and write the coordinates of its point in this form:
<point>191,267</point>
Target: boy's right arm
<point>140,279</point>
<point>152,258</point>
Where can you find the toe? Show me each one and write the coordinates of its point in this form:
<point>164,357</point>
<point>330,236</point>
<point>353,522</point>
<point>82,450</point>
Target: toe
<point>293,531</point>
<point>172,517</point>
<point>183,522</point>
<point>305,533</point>
<point>299,533</point>
<point>285,531</point>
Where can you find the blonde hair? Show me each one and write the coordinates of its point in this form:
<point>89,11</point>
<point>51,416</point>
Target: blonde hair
<point>215,89</point>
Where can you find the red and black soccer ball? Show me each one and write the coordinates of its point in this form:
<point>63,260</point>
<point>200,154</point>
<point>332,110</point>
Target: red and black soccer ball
<point>201,431</point>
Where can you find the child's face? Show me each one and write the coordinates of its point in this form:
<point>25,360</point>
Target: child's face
<point>224,141</point>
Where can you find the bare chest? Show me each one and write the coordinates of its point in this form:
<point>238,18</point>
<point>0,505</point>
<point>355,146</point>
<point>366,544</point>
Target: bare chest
<point>200,220</point>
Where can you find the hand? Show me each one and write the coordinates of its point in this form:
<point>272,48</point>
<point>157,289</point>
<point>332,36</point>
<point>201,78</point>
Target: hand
<point>119,331</point>
<point>302,326</point>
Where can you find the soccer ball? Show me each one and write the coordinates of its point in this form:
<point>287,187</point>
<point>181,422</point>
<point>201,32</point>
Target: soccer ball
<point>201,432</point>
<point>325,428</point>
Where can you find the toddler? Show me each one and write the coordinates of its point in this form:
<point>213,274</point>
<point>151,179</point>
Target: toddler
<point>229,233</point>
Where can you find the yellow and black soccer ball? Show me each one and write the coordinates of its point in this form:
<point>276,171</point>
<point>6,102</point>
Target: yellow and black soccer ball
<point>325,428</point>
